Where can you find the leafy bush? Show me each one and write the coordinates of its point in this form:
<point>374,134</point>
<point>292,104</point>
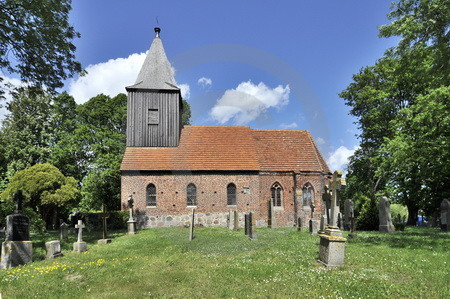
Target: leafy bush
<point>368,216</point>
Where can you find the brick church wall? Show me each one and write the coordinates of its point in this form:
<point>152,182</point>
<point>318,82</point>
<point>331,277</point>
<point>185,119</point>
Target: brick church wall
<point>252,194</point>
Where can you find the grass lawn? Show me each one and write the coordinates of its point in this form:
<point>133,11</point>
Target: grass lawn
<point>223,263</point>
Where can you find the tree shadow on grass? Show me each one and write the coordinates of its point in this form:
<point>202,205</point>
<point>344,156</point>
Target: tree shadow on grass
<point>425,239</point>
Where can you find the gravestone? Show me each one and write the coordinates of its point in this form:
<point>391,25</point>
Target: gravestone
<point>246,224</point>
<point>323,223</point>
<point>251,226</point>
<point>313,226</point>
<point>445,206</point>
<point>53,249</point>
<point>236,220</point>
<point>332,243</point>
<point>348,209</point>
<point>104,215</point>
<point>131,223</point>
<point>272,216</point>
<point>17,248</point>
<point>299,224</point>
<point>352,233</point>
<point>80,246</point>
<point>230,221</point>
<point>340,221</point>
<point>384,211</point>
<point>63,233</point>
<point>191,226</point>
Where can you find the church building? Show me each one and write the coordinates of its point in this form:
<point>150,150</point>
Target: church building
<point>278,175</point>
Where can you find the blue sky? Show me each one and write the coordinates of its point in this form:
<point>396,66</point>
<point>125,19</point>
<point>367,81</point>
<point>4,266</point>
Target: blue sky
<point>265,64</point>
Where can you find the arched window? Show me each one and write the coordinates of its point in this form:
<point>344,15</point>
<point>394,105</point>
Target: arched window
<point>191,192</point>
<point>308,194</point>
<point>277,193</point>
<point>151,195</point>
<point>231,194</point>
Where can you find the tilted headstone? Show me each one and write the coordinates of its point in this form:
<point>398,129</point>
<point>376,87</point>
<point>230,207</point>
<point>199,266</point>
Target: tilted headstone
<point>384,210</point>
<point>191,226</point>
<point>53,249</point>
<point>17,248</point>
<point>64,234</point>
<point>348,209</point>
<point>80,246</point>
<point>445,207</point>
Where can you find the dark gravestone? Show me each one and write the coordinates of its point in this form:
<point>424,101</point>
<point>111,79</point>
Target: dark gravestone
<point>17,248</point>
<point>17,228</point>
<point>252,226</point>
<point>247,224</point>
<point>299,224</point>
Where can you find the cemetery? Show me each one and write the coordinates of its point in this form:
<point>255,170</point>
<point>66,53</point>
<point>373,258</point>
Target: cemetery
<point>110,186</point>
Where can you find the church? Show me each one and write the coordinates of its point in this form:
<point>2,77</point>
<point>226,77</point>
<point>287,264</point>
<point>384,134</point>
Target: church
<point>170,169</point>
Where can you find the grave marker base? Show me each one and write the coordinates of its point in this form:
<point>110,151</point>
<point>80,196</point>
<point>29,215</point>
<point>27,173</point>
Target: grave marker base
<point>332,247</point>
<point>15,253</point>
<point>79,247</point>
<point>104,241</point>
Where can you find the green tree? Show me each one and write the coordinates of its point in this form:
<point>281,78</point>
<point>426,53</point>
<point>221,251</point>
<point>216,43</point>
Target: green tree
<point>25,132</point>
<point>36,41</point>
<point>398,103</point>
<point>47,191</point>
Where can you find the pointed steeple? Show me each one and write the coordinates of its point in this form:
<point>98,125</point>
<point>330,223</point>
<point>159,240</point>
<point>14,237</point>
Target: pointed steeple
<point>156,72</point>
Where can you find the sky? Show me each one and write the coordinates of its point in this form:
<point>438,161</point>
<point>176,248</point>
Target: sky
<point>263,64</point>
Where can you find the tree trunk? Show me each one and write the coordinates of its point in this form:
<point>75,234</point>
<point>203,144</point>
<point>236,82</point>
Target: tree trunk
<point>413,212</point>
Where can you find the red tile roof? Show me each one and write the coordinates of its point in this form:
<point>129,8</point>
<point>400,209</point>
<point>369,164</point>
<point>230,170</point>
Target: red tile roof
<point>231,148</point>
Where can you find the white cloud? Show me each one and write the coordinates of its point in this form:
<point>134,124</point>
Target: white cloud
<point>248,101</point>
<point>338,160</point>
<point>185,91</point>
<point>109,78</point>
<point>289,126</point>
<point>7,85</point>
<point>204,82</point>
<point>320,141</point>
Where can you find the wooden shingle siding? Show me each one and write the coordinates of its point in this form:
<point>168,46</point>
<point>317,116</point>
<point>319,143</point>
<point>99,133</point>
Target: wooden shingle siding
<point>142,134</point>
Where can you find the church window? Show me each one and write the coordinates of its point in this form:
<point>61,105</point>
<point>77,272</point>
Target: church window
<point>276,193</point>
<point>151,196</point>
<point>308,194</point>
<point>153,116</point>
<point>191,191</point>
<point>231,194</point>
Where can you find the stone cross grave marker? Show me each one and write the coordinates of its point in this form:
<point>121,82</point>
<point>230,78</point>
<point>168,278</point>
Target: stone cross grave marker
<point>80,227</point>
<point>348,209</point>
<point>104,215</point>
<point>312,222</point>
<point>335,186</point>
<point>191,226</point>
<point>384,209</point>
<point>64,227</point>
<point>131,222</point>
<point>352,233</point>
<point>17,248</point>
<point>445,207</point>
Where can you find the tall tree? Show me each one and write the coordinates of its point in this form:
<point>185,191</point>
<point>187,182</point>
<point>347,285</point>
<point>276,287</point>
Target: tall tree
<point>47,190</point>
<point>36,41</point>
<point>390,101</point>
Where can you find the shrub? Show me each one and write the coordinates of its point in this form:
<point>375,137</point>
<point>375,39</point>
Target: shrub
<point>368,216</point>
